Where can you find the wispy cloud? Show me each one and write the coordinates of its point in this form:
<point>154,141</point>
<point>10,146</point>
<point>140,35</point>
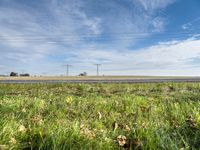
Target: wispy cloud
<point>191,24</point>
<point>153,5</point>
<point>86,32</point>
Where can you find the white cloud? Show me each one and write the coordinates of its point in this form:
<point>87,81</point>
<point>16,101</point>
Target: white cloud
<point>60,35</point>
<point>172,56</point>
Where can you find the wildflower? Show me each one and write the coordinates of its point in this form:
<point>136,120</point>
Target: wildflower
<point>121,140</point>
<point>69,99</point>
<point>21,128</point>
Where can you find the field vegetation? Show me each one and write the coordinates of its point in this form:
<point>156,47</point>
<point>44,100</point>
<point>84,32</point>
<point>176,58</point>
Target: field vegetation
<point>100,116</point>
<point>42,78</point>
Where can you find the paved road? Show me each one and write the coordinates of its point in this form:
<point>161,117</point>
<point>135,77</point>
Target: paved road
<point>151,80</point>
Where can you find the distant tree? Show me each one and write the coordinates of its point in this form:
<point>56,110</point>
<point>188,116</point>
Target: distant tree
<point>25,75</point>
<point>13,74</point>
<point>83,74</point>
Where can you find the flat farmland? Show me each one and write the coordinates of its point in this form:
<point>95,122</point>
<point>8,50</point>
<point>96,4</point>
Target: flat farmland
<point>100,79</point>
<point>100,116</point>
<point>84,77</point>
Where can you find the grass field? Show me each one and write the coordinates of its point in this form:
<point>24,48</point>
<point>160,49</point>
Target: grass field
<point>100,116</point>
<point>93,77</point>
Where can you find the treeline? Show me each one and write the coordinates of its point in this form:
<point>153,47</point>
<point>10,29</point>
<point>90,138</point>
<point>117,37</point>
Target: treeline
<point>14,74</point>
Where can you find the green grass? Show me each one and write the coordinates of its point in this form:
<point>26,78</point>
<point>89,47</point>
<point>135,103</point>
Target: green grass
<point>93,116</point>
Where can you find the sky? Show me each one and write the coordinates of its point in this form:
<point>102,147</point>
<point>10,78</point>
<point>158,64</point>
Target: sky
<point>127,37</point>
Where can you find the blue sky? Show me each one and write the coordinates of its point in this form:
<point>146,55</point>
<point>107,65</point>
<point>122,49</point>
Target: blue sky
<point>128,37</point>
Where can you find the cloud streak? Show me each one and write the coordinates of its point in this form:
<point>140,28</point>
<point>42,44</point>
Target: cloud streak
<point>152,5</point>
<point>191,24</point>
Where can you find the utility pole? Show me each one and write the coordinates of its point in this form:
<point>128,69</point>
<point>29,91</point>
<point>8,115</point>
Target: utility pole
<point>98,68</point>
<point>67,69</point>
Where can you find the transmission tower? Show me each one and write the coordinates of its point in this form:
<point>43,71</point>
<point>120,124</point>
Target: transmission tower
<point>98,68</point>
<point>67,73</point>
